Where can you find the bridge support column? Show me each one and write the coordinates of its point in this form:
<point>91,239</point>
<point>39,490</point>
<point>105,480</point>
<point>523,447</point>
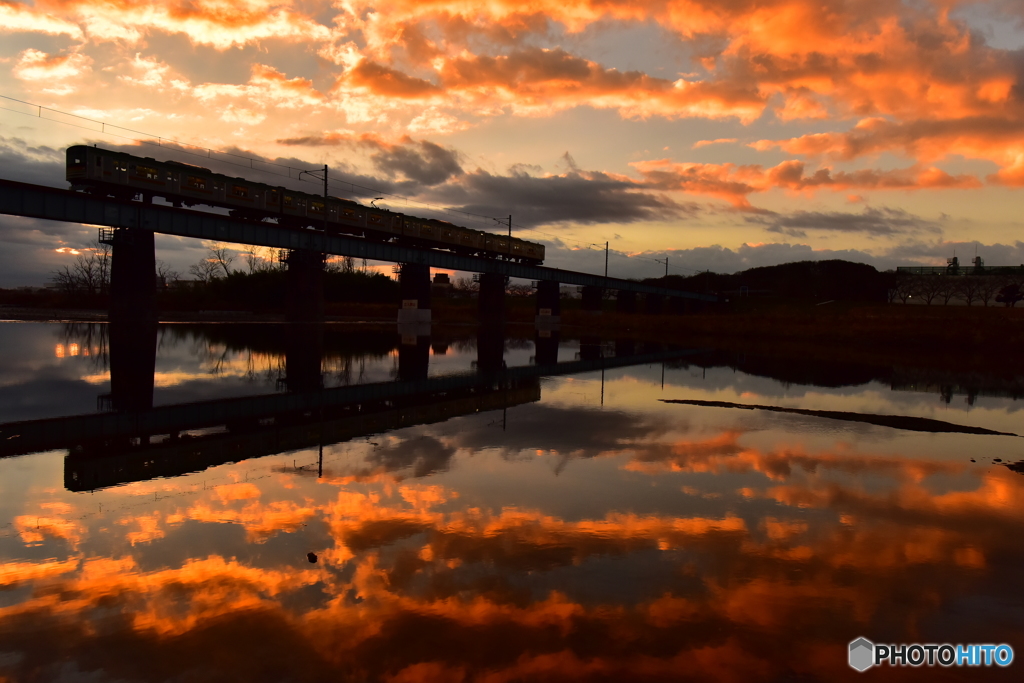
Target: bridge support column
<point>625,302</point>
<point>132,365</point>
<point>303,357</point>
<point>132,275</point>
<point>305,286</point>
<point>413,357</point>
<point>490,348</point>
<point>549,305</point>
<point>653,304</point>
<point>592,298</point>
<point>414,285</point>
<point>546,347</point>
<point>624,348</point>
<point>590,348</point>
<point>491,300</point>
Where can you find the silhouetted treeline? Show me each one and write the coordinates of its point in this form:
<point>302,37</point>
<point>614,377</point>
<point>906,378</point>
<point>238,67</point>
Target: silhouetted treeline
<point>264,291</point>
<point>833,280</point>
<point>261,291</point>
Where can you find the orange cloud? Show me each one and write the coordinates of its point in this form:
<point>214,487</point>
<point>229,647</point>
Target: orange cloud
<point>54,70</point>
<point>216,23</point>
<point>734,183</point>
<point>428,591</point>
<point>541,81</point>
<point>16,17</point>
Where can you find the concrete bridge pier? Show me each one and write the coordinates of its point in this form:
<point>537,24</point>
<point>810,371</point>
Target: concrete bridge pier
<point>132,275</point>
<point>414,285</point>
<point>303,357</point>
<point>625,302</point>
<point>490,348</point>
<point>491,301</point>
<point>545,344</point>
<point>549,305</point>
<point>132,365</point>
<point>592,298</point>
<point>590,348</point>
<point>653,304</point>
<point>413,357</point>
<point>304,296</point>
<point>624,348</point>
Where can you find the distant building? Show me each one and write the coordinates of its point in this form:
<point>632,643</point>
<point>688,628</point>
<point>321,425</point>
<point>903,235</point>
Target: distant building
<point>953,267</point>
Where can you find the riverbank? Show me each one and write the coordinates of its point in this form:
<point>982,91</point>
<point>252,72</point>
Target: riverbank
<point>986,336</point>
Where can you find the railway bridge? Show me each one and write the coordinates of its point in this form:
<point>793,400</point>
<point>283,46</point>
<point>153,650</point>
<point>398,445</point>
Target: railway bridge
<point>129,226</point>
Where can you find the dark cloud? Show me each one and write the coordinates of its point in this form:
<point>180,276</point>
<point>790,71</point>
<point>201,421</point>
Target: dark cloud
<point>419,162</point>
<point>424,454</point>
<point>27,163</point>
<point>579,197</point>
<point>576,432</point>
<point>874,222</point>
<point>423,162</point>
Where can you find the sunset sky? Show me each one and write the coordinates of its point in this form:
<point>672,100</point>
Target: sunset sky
<point>722,133</point>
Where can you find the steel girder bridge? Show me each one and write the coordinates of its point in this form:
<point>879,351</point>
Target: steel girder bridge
<point>37,201</point>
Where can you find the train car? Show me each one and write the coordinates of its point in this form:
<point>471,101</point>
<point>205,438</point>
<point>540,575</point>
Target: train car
<point>125,176</point>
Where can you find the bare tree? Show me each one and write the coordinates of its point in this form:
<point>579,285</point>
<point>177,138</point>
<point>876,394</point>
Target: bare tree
<point>929,287</point>
<point>517,289</point>
<point>949,289</point>
<point>987,288</point>
<point>465,286</point>
<point>259,259</point>
<point>221,256</point>
<point>89,274</point>
<point>205,270</point>
<point>969,288</point>
<point>165,275</point>
<point>903,289</point>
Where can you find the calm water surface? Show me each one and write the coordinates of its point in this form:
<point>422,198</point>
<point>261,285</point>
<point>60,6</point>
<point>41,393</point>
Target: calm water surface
<point>478,514</point>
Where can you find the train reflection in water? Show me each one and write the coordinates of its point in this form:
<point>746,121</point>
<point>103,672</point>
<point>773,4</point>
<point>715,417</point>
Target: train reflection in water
<point>131,440</point>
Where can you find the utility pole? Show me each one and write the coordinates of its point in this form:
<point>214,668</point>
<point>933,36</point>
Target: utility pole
<point>606,259</point>
<point>325,190</point>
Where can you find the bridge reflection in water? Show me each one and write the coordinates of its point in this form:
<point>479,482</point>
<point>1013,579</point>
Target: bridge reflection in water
<point>131,440</point>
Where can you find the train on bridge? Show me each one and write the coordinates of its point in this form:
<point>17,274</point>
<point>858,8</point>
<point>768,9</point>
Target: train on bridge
<point>122,175</point>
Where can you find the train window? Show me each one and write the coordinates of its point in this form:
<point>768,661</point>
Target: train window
<point>316,207</point>
<point>170,176</point>
<point>289,200</point>
<point>240,191</point>
<point>147,172</point>
<point>99,161</point>
<point>195,182</point>
<point>77,162</point>
<point>121,166</point>
<point>272,196</point>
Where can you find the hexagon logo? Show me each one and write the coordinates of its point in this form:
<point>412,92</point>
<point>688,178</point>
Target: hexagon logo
<point>862,654</point>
